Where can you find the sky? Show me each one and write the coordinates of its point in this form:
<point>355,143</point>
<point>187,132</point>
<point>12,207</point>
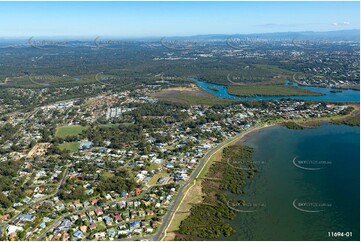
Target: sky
<point>152,19</point>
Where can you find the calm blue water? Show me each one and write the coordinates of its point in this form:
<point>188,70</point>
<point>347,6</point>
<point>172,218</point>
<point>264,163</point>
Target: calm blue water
<point>344,96</point>
<point>335,189</point>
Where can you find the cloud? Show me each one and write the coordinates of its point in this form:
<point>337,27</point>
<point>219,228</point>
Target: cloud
<point>340,23</point>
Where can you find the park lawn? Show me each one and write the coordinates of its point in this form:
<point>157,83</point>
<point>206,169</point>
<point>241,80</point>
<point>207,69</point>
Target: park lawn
<point>268,90</point>
<point>71,146</point>
<point>65,131</point>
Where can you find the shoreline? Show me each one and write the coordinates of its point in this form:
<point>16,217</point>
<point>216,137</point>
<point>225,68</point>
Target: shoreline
<point>198,179</point>
<point>254,132</point>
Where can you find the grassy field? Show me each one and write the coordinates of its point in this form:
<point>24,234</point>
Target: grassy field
<point>65,131</point>
<point>71,146</point>
<point>196,100</point>
<point>153,166</point>
<point>268,90</point>
<point>190,96</point>
<point>194,196</point>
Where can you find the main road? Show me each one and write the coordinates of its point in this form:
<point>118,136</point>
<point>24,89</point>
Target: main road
<point>167,219</point>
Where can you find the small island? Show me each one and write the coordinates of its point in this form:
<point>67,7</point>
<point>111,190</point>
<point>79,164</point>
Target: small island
<point>213,88</point>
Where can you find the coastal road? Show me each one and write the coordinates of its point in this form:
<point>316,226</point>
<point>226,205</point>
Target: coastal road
<point>168,218</point>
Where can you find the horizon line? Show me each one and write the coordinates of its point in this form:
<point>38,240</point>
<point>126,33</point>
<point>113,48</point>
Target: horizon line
<point>162,36</point>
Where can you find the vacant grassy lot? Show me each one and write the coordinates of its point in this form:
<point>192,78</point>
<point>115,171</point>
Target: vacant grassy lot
<point>65,131</point>
<point>153,166</point>
<point>191,96</point>
<point>154,179</point>
<point>268,90</point>
<point>195,100</point>
<point>71,146</point>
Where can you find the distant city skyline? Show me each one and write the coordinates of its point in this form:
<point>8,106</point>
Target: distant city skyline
<point>152,19</point>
